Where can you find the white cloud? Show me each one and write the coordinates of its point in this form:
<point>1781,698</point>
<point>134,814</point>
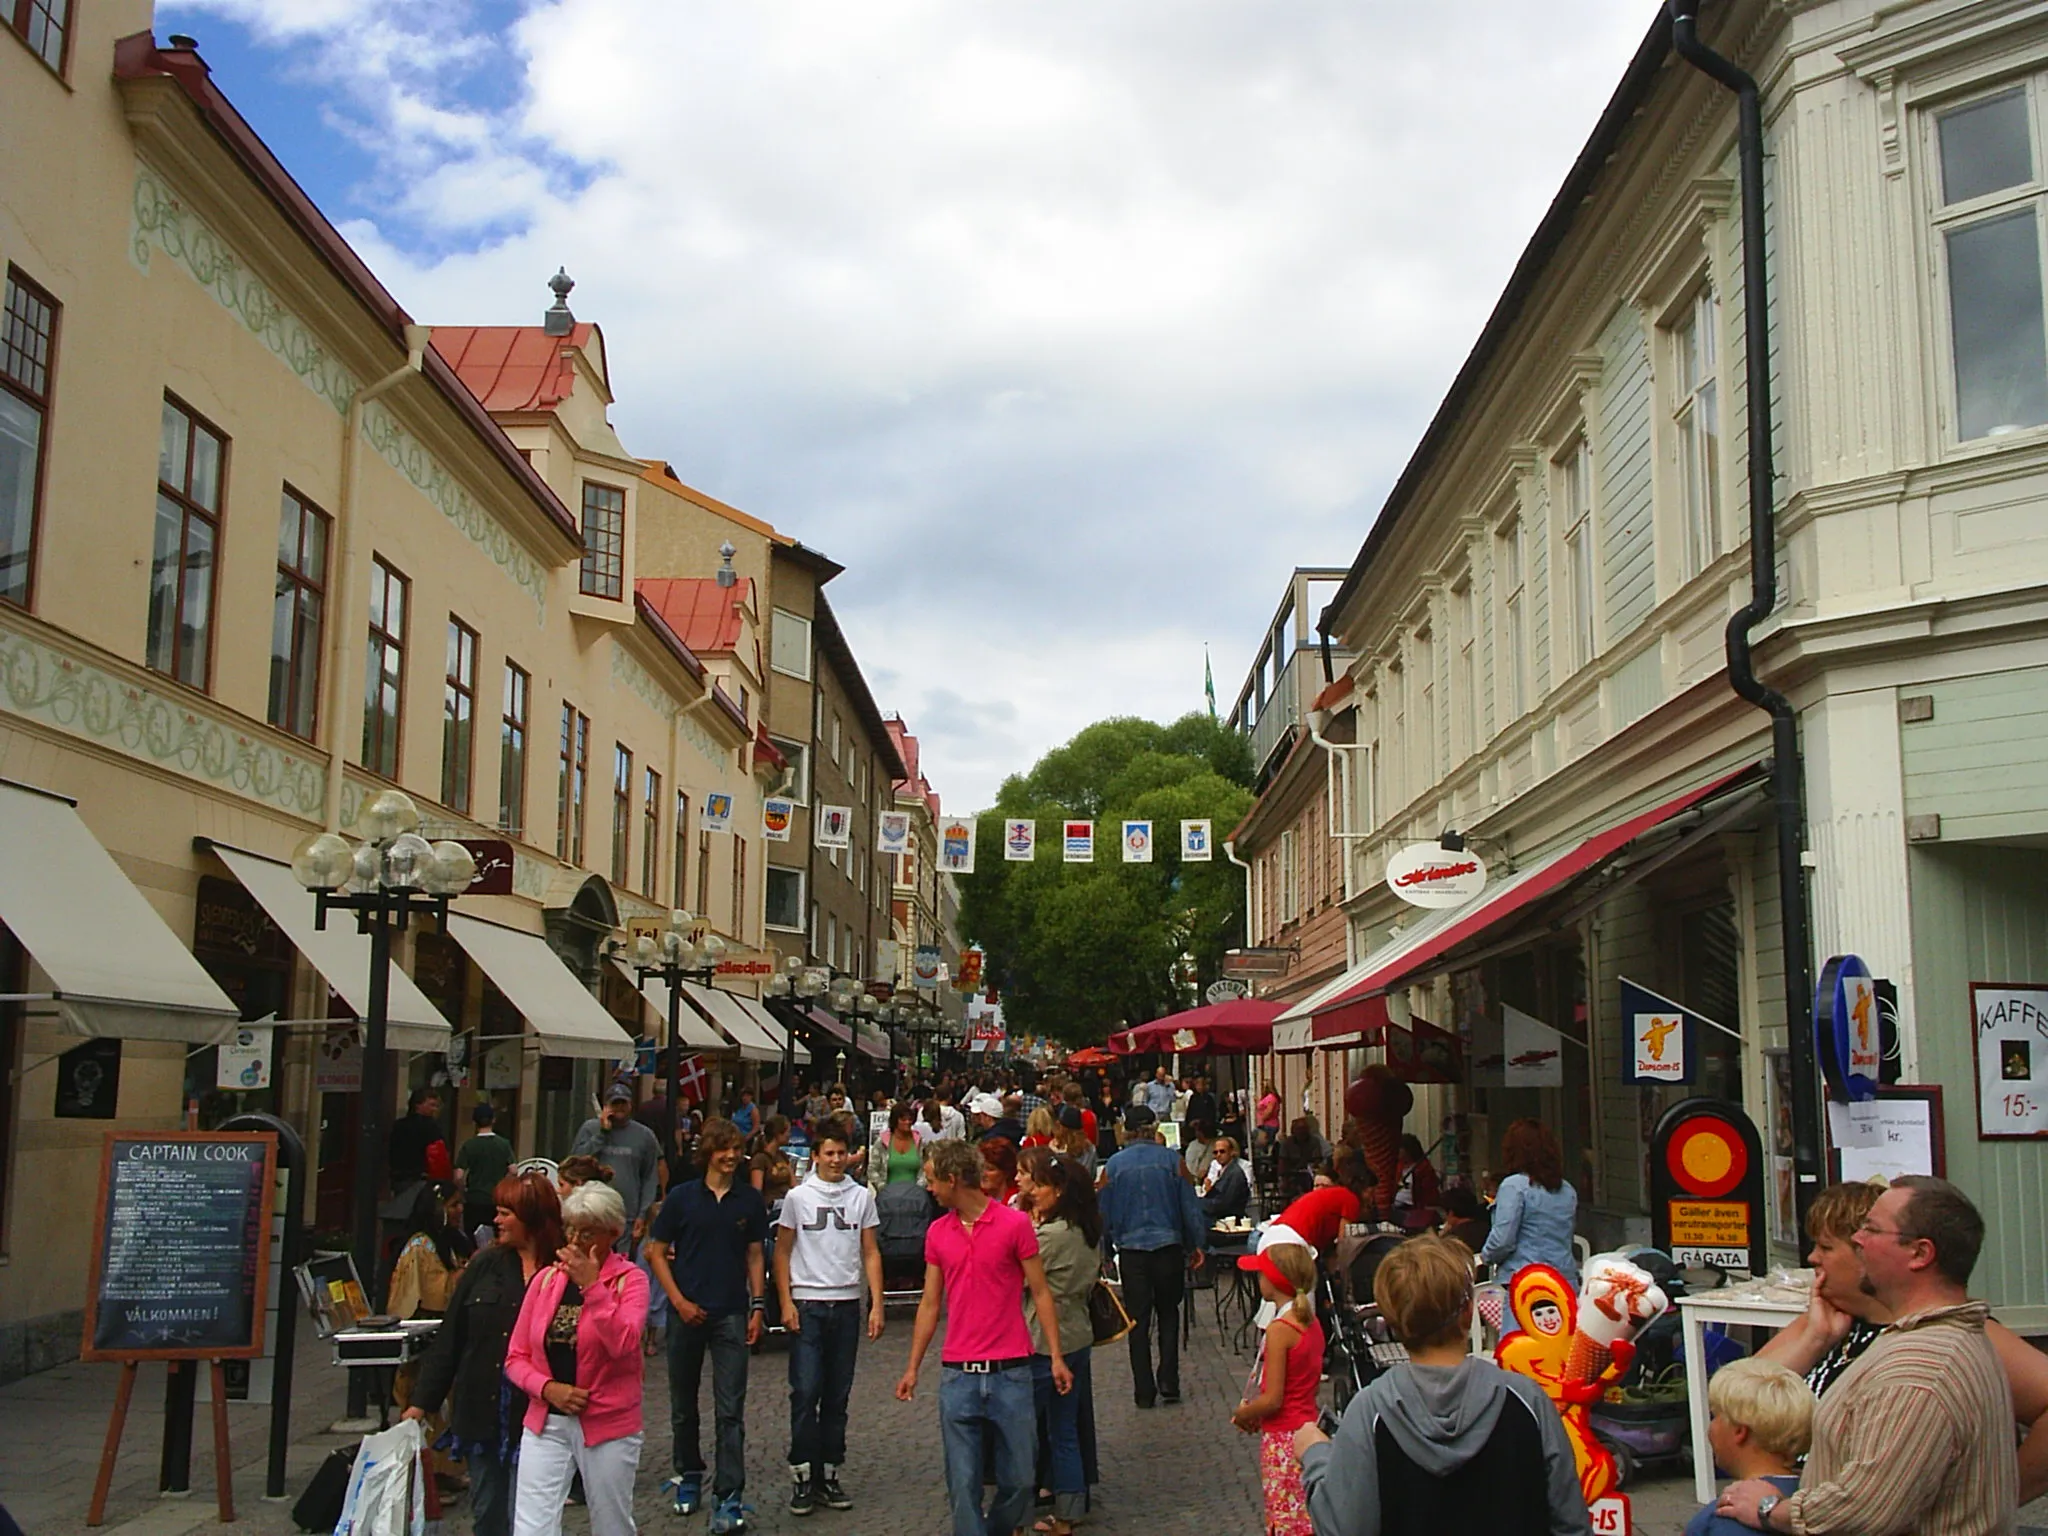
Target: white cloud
<point>1069,328</point>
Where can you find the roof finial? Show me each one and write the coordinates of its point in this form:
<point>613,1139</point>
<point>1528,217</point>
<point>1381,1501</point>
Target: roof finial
<point>557,321</point>
<point>727,576</point>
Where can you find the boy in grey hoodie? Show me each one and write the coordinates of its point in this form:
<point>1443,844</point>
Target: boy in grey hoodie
<point>1448,1441</point>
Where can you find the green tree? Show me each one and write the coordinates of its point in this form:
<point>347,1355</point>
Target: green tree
<point>1080,949</point>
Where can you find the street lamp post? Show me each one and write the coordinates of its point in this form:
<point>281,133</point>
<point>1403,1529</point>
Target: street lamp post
<point>804,983</point>
<point>387,877</point>
<point>673,959</point>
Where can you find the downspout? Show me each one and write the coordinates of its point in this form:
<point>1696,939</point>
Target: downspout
<point>1230,853</point>
<point>1763,579</point>
<point>341,611</point>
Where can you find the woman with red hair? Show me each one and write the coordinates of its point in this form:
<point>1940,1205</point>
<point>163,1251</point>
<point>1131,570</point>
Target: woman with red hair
<point>1535,1209</point>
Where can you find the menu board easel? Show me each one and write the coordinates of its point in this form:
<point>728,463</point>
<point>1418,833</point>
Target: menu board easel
<point>180,1268</point>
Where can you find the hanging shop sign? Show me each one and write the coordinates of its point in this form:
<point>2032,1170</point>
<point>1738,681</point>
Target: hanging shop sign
<point>1707,1187</point>
<point>717,815</point>
<point>1020,841</point>
<point>1196,841</point>
<point>338,1065</point>
<point>926,965</point>
<point>89,1081</point>
<point>776,816</point>
<point>1532,1052</point>
<point>1264,960</point>
<point>956,845</point>
<point>243,1061</point>
<point>892,832</point>
<point>1228,990</point>
<point>1137,842</point>
<point>835,826</point>
<point>970,971</point>
<point>2010,1028</point>
<point>1663,1043</point>
<point>1847,1035</point>
<point>493,857</point>
<point>1422,1053</point>
<point>1426,875</point>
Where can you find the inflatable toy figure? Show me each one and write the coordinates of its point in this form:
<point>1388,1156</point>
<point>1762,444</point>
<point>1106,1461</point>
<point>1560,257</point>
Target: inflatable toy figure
<point>1576,1346</point>
<point>1377,1101</point>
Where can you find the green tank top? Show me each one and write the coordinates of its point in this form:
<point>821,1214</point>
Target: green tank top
<point>904,1167</point>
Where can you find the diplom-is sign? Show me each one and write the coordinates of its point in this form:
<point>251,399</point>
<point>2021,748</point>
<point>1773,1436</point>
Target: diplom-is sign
<point>1427,875</point>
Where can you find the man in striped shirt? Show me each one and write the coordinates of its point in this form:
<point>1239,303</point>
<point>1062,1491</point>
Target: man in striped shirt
<point>1917,1436</point>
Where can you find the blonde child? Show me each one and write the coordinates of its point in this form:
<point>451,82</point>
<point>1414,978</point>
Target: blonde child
<point>1762,1424</point>
<point>1291,1368</point>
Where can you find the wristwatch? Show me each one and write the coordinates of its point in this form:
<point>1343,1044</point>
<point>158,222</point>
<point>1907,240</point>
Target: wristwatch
<point>1764,1506</point>
<point>758,1304</point>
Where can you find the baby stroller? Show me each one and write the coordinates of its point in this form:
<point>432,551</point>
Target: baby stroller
<point>1358,1346</point>
<point>903,1212</point>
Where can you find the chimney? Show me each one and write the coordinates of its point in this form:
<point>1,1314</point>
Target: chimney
<point>558,320</point>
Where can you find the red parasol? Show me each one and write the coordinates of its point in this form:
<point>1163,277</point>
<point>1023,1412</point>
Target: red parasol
<point>1244,1024</point>
<point>1091,1056</point>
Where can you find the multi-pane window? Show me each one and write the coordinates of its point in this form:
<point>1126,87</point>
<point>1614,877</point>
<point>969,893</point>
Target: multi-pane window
<point>682,839</point>
<point>622,813</point>
<point>297,615</point>
<point>1696,418</point>
<point>384,676</point>
<point>1512,669</point>
<point>512,728</point>
<point>650,831</point>
<point>1425,706</point>
<point>1575,473</point>
<point>785,898</point>
<point>45,25</point>
<point>604,540</point>
<point>1465,680</point>
<point>28,342</point>
<point>572,785</point>
<point>458,717</point>
<point>704,875</point>
<point>789,644</point>
<point>739,886</point>
<point>191,461</point>
<point>1988,206</point>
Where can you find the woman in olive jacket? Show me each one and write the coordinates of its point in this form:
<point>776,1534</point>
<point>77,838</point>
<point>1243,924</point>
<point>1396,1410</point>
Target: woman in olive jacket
<point>465,1365</point>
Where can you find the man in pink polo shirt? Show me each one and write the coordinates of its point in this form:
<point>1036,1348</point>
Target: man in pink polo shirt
<point>981,1255</point>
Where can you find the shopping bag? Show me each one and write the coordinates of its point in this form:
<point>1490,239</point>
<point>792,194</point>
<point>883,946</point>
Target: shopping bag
<point>386,1493</point>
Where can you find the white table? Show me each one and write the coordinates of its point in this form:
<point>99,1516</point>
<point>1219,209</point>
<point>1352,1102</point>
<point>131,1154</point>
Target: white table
<point>1740,1305</point>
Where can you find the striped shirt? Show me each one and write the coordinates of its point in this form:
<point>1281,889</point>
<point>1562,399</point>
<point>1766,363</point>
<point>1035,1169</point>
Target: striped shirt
<point>1916,1437</point>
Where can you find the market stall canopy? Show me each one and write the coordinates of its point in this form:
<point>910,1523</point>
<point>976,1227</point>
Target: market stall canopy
<point>116,968</point>
<point>771,1026</point>
<point>1343,1008</point>
<point>1243,1024</point>
<point>696,1035</point>
<point>564,1017</point>
<point>338,952</point>
<point>724,1010</point>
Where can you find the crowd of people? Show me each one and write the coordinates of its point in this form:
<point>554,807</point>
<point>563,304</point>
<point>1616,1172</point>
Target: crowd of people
<point>1895,1404</point>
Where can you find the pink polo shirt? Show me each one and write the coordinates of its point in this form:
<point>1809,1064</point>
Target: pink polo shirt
<point>983,1267</point>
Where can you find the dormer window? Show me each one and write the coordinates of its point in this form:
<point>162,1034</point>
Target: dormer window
<point>604,541</point>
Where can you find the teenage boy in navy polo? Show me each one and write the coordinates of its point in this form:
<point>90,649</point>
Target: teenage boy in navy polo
<point>706,1253</point>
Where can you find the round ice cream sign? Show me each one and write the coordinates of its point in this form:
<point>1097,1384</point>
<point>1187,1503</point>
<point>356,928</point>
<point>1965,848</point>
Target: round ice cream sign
<point>1427,875</point>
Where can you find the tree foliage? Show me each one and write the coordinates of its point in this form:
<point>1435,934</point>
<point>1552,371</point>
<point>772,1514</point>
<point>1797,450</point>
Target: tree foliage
<point>1078,950</point>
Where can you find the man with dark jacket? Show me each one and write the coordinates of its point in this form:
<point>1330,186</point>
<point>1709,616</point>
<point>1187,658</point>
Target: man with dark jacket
<point>418,1148</point>
<point>1149,1211</point>
<point>1229,1193</point>
<point>1449,1441</point>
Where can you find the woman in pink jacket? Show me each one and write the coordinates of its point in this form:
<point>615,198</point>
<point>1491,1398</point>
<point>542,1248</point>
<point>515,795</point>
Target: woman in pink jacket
<point>575,1353</point>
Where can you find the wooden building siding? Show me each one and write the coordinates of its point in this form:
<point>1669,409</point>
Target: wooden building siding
<point>1978,763</point>
<point>1623,476</point>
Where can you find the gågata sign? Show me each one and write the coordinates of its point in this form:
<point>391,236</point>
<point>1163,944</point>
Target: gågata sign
<point>1428,875</point>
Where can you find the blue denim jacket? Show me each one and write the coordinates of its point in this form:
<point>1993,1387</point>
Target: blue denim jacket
<point>1532,1225</point>
<point>1147,1204</point>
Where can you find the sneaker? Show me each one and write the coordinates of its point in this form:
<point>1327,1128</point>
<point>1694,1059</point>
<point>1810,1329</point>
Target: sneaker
<point>685,1492</point>
<point>729,1515</point>
<point>833,1495</point>
<point>801,1499</point>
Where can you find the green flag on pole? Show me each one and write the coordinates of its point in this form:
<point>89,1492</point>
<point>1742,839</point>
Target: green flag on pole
<point>1209,682</point>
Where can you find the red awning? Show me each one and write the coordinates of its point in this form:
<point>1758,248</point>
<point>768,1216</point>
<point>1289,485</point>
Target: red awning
<point>1430,942</point>
<point>1243,1024</point>
<point>1363,1021</point>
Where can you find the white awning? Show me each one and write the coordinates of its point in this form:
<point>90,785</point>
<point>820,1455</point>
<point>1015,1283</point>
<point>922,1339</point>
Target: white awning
<point>338,952</point>
<point>116,968</point>
<point>564,1017</point>
<point>697,1035</point>
<point>724,1010</point>
<point>771,1026</point>
<point>1291,1036</point>
<point>869,1040</point>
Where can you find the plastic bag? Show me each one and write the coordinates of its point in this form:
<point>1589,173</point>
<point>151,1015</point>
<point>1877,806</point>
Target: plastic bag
<point>387,1490</point>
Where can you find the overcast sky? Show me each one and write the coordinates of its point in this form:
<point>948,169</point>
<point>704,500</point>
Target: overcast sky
<point>1069,328</point>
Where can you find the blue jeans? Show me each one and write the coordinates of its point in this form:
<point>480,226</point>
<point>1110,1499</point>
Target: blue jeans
<point>1060,1416</point>
<point>724,1338</point>
<point>821,1359</point>
<point>999,1405</point>
<point>490,1494</point>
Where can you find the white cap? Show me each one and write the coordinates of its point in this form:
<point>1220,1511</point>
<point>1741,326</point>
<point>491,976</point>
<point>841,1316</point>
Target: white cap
<point>985,1104</point>
<point>1279,1232</point>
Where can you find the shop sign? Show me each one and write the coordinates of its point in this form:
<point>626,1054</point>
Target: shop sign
<point>1847,1033</point>
<point>1426,875</point>
<point>1228,990</point>
<point>493,857</point>
<point>1257,961</point>
<point>89,1081</point>
<point>338,1068</point>
<point>1662,1045</point>
<point>926,966</point>
<point>2010,1028</point>
<point>1707,1188</point>
<point>500,1066</point>
<point>243,1062</point>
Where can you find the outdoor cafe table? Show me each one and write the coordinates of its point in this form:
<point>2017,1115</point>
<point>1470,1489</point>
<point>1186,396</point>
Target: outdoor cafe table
<point>1751,1303</point>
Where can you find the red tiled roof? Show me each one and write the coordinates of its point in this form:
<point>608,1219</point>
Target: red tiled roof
<point>513,367</point>
<point>706,615</point>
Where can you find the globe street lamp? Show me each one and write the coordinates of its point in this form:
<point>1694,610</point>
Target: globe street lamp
<point>384,878</point>
<point>672,958</point>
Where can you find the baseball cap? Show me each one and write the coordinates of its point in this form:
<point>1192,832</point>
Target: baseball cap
<point>1279,1232</point>
<point>1069,1116</point>
<point>618,1093</point>
<point>985,1104</point>
<point>483,1114</point>
<point>1139,1117</point>
<point>1259,1263</point>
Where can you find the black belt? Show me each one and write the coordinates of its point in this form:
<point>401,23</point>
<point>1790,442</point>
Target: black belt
<point>984,1367</point>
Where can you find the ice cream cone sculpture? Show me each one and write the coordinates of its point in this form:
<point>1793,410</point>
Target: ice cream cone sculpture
<point>1576,1345</point>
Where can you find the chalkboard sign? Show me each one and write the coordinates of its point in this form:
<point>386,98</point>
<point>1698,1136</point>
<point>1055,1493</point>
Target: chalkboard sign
<point>181,1249</point>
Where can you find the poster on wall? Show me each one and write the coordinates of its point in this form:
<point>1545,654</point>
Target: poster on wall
<point>1778,1137</point>
<point>1020,841</point>
<point>1897,1133</point>
<point>2009,1023</point>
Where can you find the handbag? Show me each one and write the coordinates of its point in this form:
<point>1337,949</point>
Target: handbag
<point>1108,1321</point>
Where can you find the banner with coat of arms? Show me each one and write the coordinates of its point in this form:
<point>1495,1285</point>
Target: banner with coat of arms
<point>1078,842</point>
<point>892,832</point>
<point>1020,841</point>
<point>956,845</point>
<point>776,816</point>
<point>717,815</point>
<point>1137,842</point>
<point>834,826</point>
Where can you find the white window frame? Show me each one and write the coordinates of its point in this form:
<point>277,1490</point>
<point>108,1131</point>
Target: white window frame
<point>1579,548</point>
<point>798,629</point>
<point>798,780</point>
<point>1465,668</point>
<point>1511,586</point>
<point>1693,332</point>
<point>1424,643</point>
<point>1290,887</point>
<point>767,905</point>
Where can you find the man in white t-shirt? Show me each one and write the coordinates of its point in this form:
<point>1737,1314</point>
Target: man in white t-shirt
<point>828,1243</point>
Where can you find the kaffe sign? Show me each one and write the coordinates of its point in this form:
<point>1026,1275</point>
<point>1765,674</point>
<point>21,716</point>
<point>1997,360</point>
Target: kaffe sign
<point>1707,1187</point>
<point>2009,1022</point>
<point>181,1246</point>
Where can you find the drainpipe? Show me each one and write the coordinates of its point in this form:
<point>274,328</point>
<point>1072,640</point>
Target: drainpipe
<point>341,610</point>
<point>1763,579</point>
<point>1230,853</point>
